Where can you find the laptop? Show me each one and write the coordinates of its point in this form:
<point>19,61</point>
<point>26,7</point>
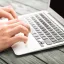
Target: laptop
<point>47,29</point>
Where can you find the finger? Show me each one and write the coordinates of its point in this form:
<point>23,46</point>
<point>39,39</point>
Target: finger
<point>17,24</point>
<point>14,25</point>
<point>12,21</point>
<point>24,24</point>
<point>8,21</point>
<point>3,28</point>
<point>19,38</point>
<point>14,40</point>
<point>17,30</point>
<point>10,10</point>
<point>6,15</point>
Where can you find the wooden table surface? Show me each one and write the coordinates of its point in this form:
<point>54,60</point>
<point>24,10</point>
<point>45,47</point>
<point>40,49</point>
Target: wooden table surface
<point>51,56</point>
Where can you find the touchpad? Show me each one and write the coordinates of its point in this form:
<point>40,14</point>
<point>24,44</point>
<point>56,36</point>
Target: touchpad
<point>22,48</point>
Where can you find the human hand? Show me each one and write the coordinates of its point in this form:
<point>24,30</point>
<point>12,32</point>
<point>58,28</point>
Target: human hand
<point>8,31</point>
<point>7,12</point>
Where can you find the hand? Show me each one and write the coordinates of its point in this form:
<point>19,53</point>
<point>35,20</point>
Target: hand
<point>8,31</point>
<point>7,12</point>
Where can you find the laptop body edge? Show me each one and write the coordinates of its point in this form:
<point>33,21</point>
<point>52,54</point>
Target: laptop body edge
<point>56,16</point>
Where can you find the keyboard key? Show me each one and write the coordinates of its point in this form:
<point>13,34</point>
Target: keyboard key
<point>48,42</point>
<point>41,41</point>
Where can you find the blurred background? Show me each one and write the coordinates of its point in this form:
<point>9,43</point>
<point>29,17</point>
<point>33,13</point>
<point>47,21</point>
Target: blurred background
<point>25,6</point>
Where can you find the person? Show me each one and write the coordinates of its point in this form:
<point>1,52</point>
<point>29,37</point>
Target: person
<point>9,29</point>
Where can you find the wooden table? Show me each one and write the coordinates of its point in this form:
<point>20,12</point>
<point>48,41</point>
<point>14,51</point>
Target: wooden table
<point>51,56</point>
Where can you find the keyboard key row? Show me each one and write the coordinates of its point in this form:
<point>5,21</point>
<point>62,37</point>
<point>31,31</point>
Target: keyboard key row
<point>38,30</point>
<point>50,29</point>
<point>54,26</point>
<point>44,30</point>
<point>45,39</point>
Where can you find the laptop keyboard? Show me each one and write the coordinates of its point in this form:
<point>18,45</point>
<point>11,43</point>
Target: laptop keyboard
<point>45,30</point>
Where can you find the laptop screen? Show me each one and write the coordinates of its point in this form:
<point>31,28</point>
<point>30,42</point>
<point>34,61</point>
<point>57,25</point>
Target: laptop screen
<point>58,6</point>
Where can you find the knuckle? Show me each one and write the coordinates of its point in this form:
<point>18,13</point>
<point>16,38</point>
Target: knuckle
<point>23,29</point>
<point>20,26</point>
<point>8,14</point>
<point>28,27</point>
<point>6,33</point>
<point>18,37</point>
<point>27,31</point>
<point>5,39</point>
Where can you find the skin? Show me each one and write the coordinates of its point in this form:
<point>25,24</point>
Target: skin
<point>9,29</point>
